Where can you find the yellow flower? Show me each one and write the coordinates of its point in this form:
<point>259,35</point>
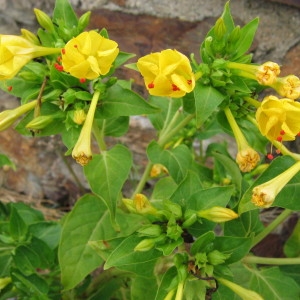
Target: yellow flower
<point>143,205</point>
<point>82,152</point>
<point>217,214</point>
<point>247,158</point>
<point>288,86</point>
<point>79,116</point>
<point>245,294</point>
<point>264,194</point>
<point>167,73</point>
<point>157,170</point>
<point>89,55</point>
<point>265,74</point>
<point>8,117</point>
<point>16,52</point>
<point>278,119</point>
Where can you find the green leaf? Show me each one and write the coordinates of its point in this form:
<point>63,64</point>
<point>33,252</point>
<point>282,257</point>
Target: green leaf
<point>114,126</point>
<point>203,242</point>
<point>195,290</point>
<point>176,160</point>
<point>122,58</point>
<point>247,35</point>
<point>270,283</point>
<point>17,226</point>
<point>207,198</point>
<point>207,99</point>
<point>63,11</point>
<point>245,226</point>
<point>5,161</point>
<point>163,189</point>
<point>292,271</point>
<point>287,197</point>
<point>292,246</point>
<point>237,247</point>
<point>89,221</point>
<point>166,284</point>
<point>143,288</point>
<point>125,258</point>
<point>123,102</point>
<point>113,169</point>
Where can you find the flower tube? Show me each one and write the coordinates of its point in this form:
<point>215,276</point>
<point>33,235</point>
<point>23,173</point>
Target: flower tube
<point>89,55</point>
<point>16,52</point>
<point>167,73</point>
<point>82,152</point>
<point>265,74</point>
<point>278,119</point>
<point>247,158</point>
<point>264,194</point>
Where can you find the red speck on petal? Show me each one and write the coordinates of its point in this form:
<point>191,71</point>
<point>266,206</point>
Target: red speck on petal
<point>298,134</point>
<point>63,51</point>
<point>175,87</point>
<point>282,132</point>
<point>58,67</point>
<point>279,138</point>
<point>82,80</point>
<point>270,156</point>
<point>151,85</point>
<point>75,46</point>
<point>189,81</point>
<point>59,59</point>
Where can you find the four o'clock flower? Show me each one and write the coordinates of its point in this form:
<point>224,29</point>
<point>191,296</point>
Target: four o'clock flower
<point>264,194</point>
<point>278,119</point>
<point>89,55</point>
<point>265,74</point>
<point>82,152</point>
<point>167,73</point>
<point>247,158</point>
<point>16,52</point>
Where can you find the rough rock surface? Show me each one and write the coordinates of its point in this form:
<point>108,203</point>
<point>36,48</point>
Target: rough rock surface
<point>141,27</point>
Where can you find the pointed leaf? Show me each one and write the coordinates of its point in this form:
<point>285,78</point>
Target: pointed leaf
<point>113,168</point>
<point>125,258</point>
<point>165,283</point>
<point>63,11</point>
<point>207,99</point>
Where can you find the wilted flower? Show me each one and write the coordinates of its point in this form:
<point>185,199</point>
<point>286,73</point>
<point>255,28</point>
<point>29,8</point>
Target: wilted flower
<point>167,73</point>
<point>82,152</point>
<point>247,158</point>
<point>245,294</point>
<point>288,86</point>
<point>16,52</point>
<point>143,205</point>
<point>218,214</point>
<point>89,55</point>
<point>265,74</point>
<point>278,119</point>
<point>79,116</point>
<point>157,170</point>
<point>264,194</point>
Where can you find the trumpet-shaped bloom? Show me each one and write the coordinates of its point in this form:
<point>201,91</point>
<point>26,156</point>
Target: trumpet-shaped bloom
<point>278,119</point>
<point>167,73</point>
<point>264,194</point>
<point>16,52</point>
<point>288,86</point>
<point>89,55</point>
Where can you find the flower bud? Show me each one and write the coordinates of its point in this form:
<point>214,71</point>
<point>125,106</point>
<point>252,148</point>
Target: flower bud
<point>174,208</point>
<point>129,205</point>
<point>44,20</point>
<point>79,116</point>
<point>216,257</point>
<point>153,230</point>
<point>220,29</point>
<point>190,217</point>
<point>4,281</point>
<point>29,36</point>
<point>217,214</point>
<point>143,205</point>
<point>145,245</point>
<point>84,21</point>
<point>39,122</point>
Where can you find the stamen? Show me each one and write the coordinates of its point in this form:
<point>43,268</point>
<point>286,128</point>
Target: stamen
<point>279,138</point>
<point>59,59</point>
<point>58,67</point>
<point>270,156</point>
<point>189,81</point>
<point>277,151</point>
<point>82,80</point>
<point>151,85</point>
<point>63,51</point>
<point>282,132</point>
<point>9,88</point>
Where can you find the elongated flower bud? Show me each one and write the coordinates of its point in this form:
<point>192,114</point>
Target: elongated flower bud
<point>218,214</point>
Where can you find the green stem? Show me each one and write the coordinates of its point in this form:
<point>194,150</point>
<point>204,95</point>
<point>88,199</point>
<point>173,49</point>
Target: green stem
<point>270,260</point>
<point>99,136</point>
<point>281,218</point>
<point>143,180</point>
<point>169,114</point>
<point>253,102</point>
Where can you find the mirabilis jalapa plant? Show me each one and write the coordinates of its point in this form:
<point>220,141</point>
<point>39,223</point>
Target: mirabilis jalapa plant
<point>191,236</point>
